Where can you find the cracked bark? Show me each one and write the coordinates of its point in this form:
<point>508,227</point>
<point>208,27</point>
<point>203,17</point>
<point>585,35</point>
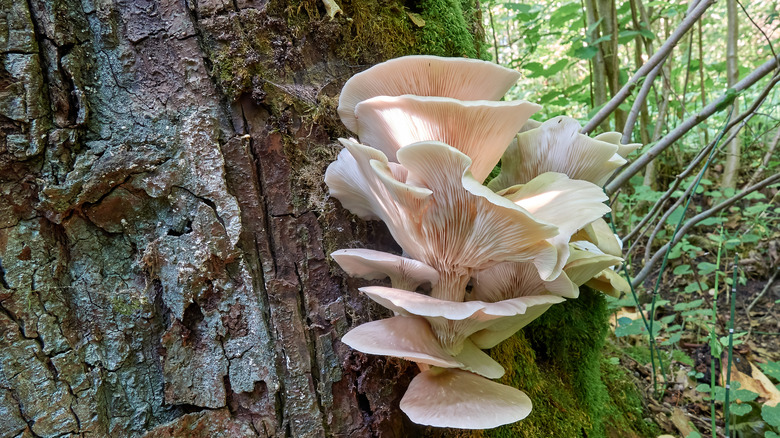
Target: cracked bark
<point>164,236</point>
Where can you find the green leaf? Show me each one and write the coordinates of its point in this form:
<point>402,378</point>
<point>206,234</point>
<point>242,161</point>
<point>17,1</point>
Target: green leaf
<point>729,97</point>
<point>771,414</point>
<point>674,218</point>
<point>739,409</point>
<point>647,34</point>
<point>535,68</point>
<point>770,434</point>
<point>771,369</point>
<point>585,52</point>
<point>627,327</point>
<point>682,269</point>
<point>688,305</point>
<point>693,434</point>
<point>673,339</point>
<point>555,68</point>
<point>706,268</point>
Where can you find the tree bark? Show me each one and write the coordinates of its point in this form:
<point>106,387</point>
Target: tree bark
<point>164,226</point>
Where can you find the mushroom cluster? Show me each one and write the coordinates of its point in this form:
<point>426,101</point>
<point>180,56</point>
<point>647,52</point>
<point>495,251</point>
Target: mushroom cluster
<point>491,258</point>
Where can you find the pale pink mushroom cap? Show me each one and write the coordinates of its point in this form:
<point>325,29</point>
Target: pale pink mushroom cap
<point>422,75</point>
<point>587,261</point>
<point>479,129</point>
<point>455,398</point>
<point>452,321</point>
<point>411,338</point>
<point>600,234</point>
<point>404,273</point>
<point>616,138</point>
<point>557,146</point>
<point>508,280</point>
<point>440,215</point>
<point>569,204</point>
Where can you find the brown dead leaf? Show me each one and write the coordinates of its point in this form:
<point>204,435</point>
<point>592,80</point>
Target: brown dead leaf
<point>680,420</point>
<point>754,380</point>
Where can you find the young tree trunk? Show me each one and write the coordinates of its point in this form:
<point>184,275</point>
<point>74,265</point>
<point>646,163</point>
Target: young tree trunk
<point>164,226</point>
<point>731,166</point>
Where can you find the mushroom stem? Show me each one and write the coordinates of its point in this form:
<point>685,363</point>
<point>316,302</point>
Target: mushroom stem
<point>451,286</point>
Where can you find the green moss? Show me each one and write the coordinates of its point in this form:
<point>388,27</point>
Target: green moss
<point>558,362</point>
<point>451,29</point>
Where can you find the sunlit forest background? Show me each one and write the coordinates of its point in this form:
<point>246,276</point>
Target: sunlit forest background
<point>696,206</point>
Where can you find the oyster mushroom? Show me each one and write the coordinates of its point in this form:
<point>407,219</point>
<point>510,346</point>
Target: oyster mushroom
<point>456,398</point>
<point>422,75</point>
<point>404,273</point>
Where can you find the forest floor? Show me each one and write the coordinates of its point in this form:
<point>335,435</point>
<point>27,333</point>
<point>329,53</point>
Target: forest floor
<point>679,400</point>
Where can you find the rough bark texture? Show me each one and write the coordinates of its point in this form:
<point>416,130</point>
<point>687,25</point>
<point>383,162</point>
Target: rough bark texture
<point>164,228</point>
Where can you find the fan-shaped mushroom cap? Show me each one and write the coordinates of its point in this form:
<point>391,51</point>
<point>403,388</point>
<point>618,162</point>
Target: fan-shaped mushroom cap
<point>609,282</point>
<point>587,261</point>
<point>600,234</point>
<point>452,321</point>
<point>557,146</point>
<point>454,398</point>
<point>412,338</point>
<point>508,280</point>
<point>440,215</point>
<point>496,333</point>
<point>616,138</point>
<point>479,129</point>
<point>553,197</point>
<point>422,75</point>
<point>404,273</point>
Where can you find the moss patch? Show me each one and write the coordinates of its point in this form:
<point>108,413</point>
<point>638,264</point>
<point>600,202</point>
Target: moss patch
<point>558,362</point>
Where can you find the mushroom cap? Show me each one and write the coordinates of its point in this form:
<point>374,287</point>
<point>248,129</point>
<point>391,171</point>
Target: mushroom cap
<point>600,234</point>
<point>609,282</point>
<point>479,129</point>
<point>616,138</point>
<point>440,215</point>
<point>423,75</point>
<point>455,398</point>
<point>508,280</point>
<point>587,261</point>
<point>405,273</point>
<point>552,197</point>
<point>496,333</point>
<point>411,338</point>
<point>557,146</point>
<point>453,321</point>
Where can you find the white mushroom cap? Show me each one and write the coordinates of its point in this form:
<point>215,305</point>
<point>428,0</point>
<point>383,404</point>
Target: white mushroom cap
<point>496,333</point>
<point>411,338</point>
<point>616,138</point>
<point>557,146</point>
<point>508,280</point>
<point>458,78</point>
<point>609,282</point>
<point>454,398</point>
<point>440,215</point>
<point>600,234</point>
<point>479,129</point>
<point>587,261</point>
<point>404,273</point>
<point>452,321</point>
<point>569,204</point>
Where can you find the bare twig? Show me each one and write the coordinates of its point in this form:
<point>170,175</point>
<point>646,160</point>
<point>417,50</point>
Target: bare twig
<point>763,292</point>
<point>640,277</point>
<point>648,66</point>
<point>765,161</point>
<point>689,123</point>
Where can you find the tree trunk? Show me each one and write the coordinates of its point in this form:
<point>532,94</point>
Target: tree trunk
<point>164,226</point>
<point>731,165</point>
<point>165,229</point>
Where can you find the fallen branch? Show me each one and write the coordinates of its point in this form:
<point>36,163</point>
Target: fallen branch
<point>640,277</point>
<point>692,121</point>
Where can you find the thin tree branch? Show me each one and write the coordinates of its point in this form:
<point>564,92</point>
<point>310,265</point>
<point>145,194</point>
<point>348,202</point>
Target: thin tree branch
<point>689,123</point>
<point>642,275</point>
<point>654,60</point>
